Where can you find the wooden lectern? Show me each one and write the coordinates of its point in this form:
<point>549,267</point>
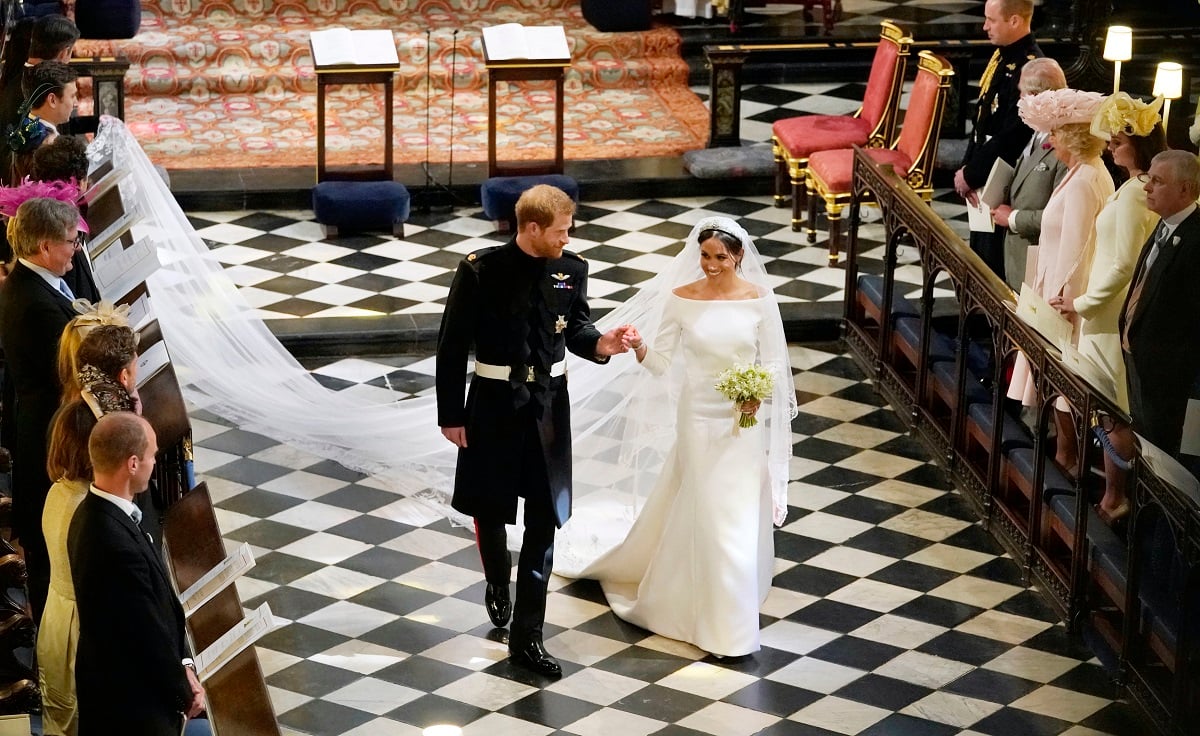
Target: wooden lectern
<point>547,63</point>
<point>354,57</point>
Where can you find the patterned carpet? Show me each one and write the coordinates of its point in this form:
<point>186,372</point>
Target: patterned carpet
<point>212,86</point>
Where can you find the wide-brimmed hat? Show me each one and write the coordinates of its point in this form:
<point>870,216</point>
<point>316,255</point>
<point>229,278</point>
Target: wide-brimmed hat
<point>1121,113</point>
<point>1055,108</point>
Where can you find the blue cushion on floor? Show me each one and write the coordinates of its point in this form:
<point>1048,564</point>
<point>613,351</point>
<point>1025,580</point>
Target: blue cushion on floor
<point>361,205</point>
<point>499,194</point>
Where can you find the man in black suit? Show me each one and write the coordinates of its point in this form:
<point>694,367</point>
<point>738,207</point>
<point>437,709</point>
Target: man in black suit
<point>521,305</point>
<point>1160,322</point>
<point>998,131</point>
<point>35,305</point>
<point>133,672</point>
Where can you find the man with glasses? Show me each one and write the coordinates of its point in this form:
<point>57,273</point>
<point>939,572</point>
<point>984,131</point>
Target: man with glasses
<point>1160,322</point>
<point>35,305</point>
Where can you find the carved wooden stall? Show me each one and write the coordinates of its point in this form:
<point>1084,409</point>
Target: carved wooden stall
<point>123,250</point>
<point>1132,592</point>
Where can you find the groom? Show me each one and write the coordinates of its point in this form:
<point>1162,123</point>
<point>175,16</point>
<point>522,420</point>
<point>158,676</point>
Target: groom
<point>521,305</point>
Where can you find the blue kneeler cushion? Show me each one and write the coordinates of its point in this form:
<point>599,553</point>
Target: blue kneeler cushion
<point>361,205</point>
<point>499,194</point>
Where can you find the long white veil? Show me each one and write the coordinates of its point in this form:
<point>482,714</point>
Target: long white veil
<point>229,363</point>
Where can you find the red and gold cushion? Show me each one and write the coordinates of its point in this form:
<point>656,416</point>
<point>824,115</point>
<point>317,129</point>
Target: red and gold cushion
<point>803,135</point>
<point>835,169</point>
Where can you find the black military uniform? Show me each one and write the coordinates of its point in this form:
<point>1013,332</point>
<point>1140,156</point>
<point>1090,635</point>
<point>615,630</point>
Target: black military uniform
<point>521,314</point>
<point>999,131</point>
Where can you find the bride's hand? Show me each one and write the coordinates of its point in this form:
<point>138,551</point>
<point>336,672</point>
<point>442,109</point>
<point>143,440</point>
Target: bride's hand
<point>750,407</point>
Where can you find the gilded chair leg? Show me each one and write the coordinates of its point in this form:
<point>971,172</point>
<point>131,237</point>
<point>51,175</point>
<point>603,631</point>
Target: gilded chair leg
<point>835,235</point>
<point>798,201</point>
<point>812,216</point>
<point>782,182</point>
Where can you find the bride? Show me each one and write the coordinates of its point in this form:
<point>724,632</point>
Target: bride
<point>698,560</point>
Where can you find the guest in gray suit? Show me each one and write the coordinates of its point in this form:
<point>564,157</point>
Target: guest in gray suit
<point>1038,172</point>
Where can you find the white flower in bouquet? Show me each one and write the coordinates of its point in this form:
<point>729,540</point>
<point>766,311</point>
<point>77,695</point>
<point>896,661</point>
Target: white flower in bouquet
<point>743,383</point>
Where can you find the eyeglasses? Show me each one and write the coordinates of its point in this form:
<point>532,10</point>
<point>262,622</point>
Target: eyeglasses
<point>76,242</point>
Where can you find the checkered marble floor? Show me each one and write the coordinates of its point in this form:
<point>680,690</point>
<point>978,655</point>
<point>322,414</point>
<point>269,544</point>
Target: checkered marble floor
<point>892,612</point>
<point>286,269</point>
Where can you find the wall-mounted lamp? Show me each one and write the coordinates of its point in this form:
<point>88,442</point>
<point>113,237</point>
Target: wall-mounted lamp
<point>1168,82</point>
<point>1118,47</point>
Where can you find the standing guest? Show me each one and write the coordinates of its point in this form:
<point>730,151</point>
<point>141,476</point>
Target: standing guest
<point>106,370</point>
<point>61,166</point>
<point>133,671</point>
<point>521,306</point>
<point>1134,138</point>
<point>52,38</point>
<point>1160,322</point>
<point>35,305</point>
<point>51,93</point>
<point>698,561</point>
<point>1037,173</point>
<point>58,630</point>
<point>998,131</point>
<point>1068,237</point>
<point>63,159</point>
<point>89,318</point>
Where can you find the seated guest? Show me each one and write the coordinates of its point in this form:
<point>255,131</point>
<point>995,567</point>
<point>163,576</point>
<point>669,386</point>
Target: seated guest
<point>1160,321</point>
<point>35,305</point>
<point>50,99</point>
<point>58,630</point>
<point>133,671</point>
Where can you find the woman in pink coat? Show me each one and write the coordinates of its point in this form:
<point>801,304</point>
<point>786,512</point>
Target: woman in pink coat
<point>1068,235</point>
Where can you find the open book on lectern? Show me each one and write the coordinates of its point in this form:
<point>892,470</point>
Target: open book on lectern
<point>511,41</point>
<point>344,47</point>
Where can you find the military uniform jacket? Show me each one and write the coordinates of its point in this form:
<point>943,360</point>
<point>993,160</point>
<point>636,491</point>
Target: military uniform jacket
<point>524,313</point>
<point>999,131</point>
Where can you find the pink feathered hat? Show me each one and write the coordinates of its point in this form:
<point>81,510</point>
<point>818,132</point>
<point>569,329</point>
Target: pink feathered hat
<point>1055,108</point>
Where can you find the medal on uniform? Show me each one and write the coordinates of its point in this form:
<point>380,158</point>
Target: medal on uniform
<point>560,280</point>
<point>560,324</point>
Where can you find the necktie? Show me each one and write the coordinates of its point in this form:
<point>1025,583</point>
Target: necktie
<point>136,515</point>
<point>1160,235</point>
<point>66,290</point>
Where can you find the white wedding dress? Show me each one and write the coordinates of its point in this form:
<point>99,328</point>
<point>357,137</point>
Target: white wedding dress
<point>699,559</point>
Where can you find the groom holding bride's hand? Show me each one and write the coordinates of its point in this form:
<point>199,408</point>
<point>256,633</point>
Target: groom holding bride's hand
<point>521,306</point>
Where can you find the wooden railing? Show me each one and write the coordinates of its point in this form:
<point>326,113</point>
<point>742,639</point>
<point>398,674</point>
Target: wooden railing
<point>1132,591</point>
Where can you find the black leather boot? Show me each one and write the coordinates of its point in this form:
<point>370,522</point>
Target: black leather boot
<point>498,604</point>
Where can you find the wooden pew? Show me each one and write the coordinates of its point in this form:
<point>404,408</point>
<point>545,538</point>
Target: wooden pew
<point>238,701</point>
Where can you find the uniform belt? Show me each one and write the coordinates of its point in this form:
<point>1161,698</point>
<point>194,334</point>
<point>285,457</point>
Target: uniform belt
<point>502,372</point>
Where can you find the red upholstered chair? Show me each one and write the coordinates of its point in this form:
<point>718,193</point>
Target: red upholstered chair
<point>796,139</point>
<point>912,155</point>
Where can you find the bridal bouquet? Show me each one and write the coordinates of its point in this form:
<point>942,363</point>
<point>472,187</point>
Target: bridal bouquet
<point>745,383</point>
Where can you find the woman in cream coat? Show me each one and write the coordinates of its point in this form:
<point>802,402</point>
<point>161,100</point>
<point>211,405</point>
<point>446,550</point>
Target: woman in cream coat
<point>1134,137</point>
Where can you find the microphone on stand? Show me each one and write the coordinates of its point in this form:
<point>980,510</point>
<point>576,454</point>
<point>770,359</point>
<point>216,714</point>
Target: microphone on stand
<point>428,58</point>
<point>449,204</point>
